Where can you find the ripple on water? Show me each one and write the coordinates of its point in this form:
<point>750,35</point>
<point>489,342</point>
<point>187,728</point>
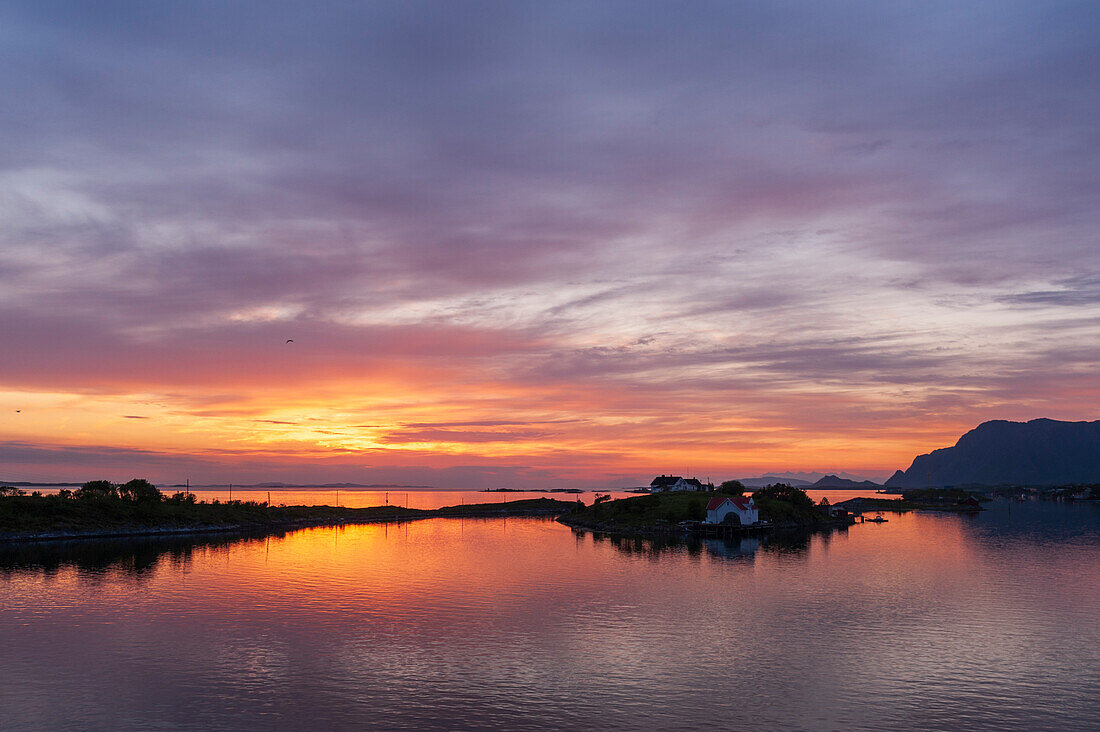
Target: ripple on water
<point>927,622</point>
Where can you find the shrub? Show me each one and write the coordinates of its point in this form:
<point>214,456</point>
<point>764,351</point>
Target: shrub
<point>97,489</point>
<point>732,487</point>
<point>783,502</point>
<point>141,491</point>
<point>796,497</point>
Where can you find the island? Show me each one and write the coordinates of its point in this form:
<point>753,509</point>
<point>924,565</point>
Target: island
<point>532,490</point>
<point>954,500</point>
<point>100,509</point>
<point>700,513</point>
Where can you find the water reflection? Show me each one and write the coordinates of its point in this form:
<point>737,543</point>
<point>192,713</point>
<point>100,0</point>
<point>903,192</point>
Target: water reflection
<point>931,621</point>
<point>733,548</point>
<point>137,557</point>
<point>1037,520</point>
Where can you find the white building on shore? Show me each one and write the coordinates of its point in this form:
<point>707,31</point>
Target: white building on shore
<point>675,483</point>
<point>742,507</point>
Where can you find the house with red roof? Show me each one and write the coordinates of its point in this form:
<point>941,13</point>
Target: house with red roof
<point>722,509</point>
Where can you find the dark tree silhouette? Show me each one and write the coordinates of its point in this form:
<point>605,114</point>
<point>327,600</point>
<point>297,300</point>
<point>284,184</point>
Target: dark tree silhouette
<point>732,487</point>
<point>97,489</point>
<point>141,491</point>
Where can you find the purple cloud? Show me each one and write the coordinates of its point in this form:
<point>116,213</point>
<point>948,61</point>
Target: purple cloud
<point>648,204</point>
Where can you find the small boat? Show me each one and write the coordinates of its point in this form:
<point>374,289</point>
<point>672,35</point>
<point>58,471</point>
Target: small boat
<point>877,520</point>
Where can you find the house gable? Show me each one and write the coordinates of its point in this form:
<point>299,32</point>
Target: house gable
<point>743,507</point>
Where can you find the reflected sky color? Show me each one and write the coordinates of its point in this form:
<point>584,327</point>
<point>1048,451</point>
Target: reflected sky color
<point>426,499</point>
<point>930,621</point>
<point>529,243</point>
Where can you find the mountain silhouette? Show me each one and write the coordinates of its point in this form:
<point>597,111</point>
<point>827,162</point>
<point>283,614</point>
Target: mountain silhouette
<point>835,481</point>
<point>1039,452</point>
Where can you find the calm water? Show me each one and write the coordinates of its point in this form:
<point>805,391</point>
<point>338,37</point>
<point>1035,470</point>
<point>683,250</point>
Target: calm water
<point>926,622</point>
<point>413,498</point>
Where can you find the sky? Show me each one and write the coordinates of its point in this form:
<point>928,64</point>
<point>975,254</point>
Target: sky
<point>539,244</point>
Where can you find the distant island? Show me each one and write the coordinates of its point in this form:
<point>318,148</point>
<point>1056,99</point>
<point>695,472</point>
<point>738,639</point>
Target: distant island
<point>826,481</point>
<point>1042,452</point>
<point>833,481</point>
<point>242,486</point>
<point>532,490</point>
<point>298,486</point>
<point>766,480</point>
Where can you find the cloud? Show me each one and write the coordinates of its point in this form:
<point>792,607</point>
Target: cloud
<point>1081,291</point>
<point>464,436</point>
<point>497,225</point>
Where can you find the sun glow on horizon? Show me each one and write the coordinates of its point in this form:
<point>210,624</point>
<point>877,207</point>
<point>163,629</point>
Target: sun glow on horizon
<point>553,249</point>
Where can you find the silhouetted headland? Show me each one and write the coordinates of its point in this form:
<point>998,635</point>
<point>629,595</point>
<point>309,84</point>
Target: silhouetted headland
<point>1042,452</point>
<point>102,509</point>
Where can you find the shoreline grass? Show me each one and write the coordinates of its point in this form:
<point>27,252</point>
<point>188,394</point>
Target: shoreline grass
<point>48,517</point>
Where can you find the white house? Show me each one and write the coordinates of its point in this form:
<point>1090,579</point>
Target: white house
<point>742,507</point>
<point>675,483</point>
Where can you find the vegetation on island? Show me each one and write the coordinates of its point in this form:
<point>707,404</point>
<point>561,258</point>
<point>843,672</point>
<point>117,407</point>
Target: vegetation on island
<point>943,496</point>
<point>732,487</point>
<point>102,508</point>
<point>780,505</point>
<point>920,499</point>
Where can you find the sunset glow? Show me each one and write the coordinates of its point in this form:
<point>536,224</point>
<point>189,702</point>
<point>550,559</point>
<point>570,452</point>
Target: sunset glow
<point>539,244</point>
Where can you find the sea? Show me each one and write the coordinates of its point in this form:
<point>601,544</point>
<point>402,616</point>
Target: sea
<point>929,621</point>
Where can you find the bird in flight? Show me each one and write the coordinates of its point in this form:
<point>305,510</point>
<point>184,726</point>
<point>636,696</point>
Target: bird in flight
<point>289,340</point>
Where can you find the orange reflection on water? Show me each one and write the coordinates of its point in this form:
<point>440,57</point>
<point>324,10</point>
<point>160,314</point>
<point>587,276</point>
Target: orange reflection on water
<point>506,623</point>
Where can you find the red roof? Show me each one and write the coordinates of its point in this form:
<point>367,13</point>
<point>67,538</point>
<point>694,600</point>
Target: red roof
<point>741,502</point>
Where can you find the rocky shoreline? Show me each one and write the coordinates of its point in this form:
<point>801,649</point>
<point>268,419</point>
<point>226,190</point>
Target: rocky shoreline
<point>697,529</point>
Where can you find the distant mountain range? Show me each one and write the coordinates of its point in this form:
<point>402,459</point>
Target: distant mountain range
<point>844,480</point>
<point>772,480</point>
<point>834,481</point>
<point>1039,452</point>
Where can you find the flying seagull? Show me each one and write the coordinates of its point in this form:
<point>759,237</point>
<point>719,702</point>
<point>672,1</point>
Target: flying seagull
<point>289,340</point>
